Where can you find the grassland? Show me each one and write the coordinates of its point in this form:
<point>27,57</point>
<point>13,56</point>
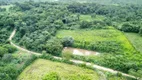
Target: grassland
<point>136,40</point>
<point>67,72</point>
<point>42,67</point>
<point>92,36</point>
<point>89,18</point>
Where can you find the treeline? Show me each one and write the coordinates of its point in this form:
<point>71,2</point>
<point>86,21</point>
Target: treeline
<point>108,2</point>
<point>126,18</point>
<point>37,23</point>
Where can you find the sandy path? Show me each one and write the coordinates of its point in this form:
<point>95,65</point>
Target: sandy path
<point>74,61</point>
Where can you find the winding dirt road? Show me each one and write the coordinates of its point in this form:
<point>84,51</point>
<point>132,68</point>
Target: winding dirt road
<point>74,61</point>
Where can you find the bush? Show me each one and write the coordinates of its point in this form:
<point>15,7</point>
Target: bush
<point>127,27</point>
<point>67,41</point>
<point>85,24</point>
<point>137,73</point>
<point>51,76</point>
<point>140,31</point>
<point>10,48</point>
<point>3,51</point>
<point>44,52</point>
<point>67,55</point>
<point>54,47</point>
<point>7,57</point>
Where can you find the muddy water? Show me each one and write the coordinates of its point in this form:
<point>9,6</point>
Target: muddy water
<point>81,52</point>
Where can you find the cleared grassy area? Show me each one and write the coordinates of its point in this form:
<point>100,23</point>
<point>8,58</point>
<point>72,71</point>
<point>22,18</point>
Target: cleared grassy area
<point>136,40</point>
<point>92,36</point>
<point>89,18</point>
<point>42,67</point>
<point>6,7</point>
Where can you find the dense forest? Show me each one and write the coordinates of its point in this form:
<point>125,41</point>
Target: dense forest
<point>84,1</point>
<point>37,24</point>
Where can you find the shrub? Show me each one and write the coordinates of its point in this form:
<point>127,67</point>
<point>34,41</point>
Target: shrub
<point>127,27</point>
<point>51,76</point>
<point>7,57</point>
<point>44,52</point>
<point>67,41</point>
<point>119,74</point>
<point>3,51</point>
<point>85,24</point>
<point>54,47</point>
<point>67,55</point>
<point>10,48</point>
<point>137,73</point>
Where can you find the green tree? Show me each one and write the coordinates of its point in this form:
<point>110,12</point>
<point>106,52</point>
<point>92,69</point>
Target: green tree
<point>54,47</point>
<point>85,24</point>
<point>7,57</point>
<point>3,51</point>
<point>127,27</point>
<point>10,48</point>
<point>67,41</point>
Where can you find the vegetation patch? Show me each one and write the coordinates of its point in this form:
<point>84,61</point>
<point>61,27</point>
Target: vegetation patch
<point>136,40</point>
<point>91,17</point>
<point>103,40</point>
<point>42,68</point>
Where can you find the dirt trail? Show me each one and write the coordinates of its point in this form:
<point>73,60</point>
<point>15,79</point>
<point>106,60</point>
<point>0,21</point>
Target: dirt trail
<point>74,61</point>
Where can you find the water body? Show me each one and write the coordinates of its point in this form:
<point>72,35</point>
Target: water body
<point>80,52</point>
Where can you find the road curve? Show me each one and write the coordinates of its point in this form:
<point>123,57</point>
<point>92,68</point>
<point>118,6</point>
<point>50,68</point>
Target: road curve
<point>74,61</point>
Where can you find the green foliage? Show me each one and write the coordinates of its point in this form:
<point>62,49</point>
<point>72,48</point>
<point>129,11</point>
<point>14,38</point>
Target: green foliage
<point>4,35</point>
<point>127,27</point>
<point>11,49</point>
<point>8,72</point>
<point>53,46</point>
<point>67,55</point>
<point>6,48</point>
<point>67,41</point>
<point>119,62</point>
<point>11,65</point>
<point>51,76</point>
<point>38,22</point>
<point>137,73</point>
<point>85,24</point>
<point>104,40</point>
<point>140,31</point>
<point>7,58</point>
<point>3,51</point>
<point>44,52</point>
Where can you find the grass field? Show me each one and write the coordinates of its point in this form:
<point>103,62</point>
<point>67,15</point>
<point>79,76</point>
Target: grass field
<point>42,67</point>
<point>89,18</point>
<point>136,40</point>
<point>92,36</point>
<point>67,72</point>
